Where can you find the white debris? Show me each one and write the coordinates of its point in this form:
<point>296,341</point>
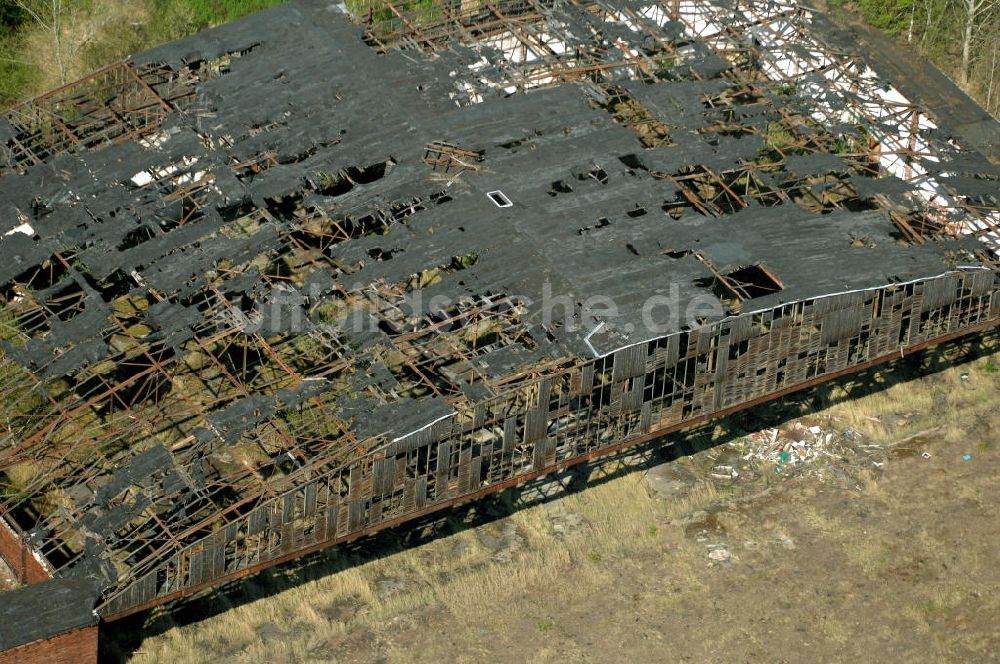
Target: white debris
<point>24,228</point>
<point>724,472</point>
<point>719,553</point>
<point>794,444</point>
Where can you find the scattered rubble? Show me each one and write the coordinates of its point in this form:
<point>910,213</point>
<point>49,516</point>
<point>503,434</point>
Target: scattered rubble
<point>387,586</point>
<point>270,633</point>
<point>501,539</point>
<point>564,522</point>
<point>342,610</point>
<point>666,481</point>
<point>819,449</point>
<point>719,553</point>
<point>780,537</point>
<point>794,444</point>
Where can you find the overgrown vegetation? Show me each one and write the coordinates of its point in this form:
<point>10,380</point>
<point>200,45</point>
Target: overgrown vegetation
<point>45,43</point>
<point>962,37</point>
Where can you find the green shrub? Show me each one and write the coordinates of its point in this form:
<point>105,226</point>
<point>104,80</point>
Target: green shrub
<point>15,74</point>
<point>173,19</point>
<point>119,32</point>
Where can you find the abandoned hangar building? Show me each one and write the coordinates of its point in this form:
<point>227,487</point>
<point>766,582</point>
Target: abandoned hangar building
<point>216,348</point>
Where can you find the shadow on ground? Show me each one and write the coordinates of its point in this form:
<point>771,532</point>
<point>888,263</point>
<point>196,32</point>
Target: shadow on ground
<point>119,640</point>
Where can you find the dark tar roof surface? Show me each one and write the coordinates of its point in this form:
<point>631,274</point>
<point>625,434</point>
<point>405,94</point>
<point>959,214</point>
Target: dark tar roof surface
<point>588,215</point>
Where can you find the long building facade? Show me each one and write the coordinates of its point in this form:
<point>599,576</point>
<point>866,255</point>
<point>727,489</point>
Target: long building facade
<point>331,268</point>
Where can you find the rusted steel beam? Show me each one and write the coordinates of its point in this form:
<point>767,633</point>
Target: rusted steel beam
<point>149,90</point>
<point>67,86</point>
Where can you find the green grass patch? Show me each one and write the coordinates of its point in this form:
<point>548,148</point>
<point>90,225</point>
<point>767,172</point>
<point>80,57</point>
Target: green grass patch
<point>173,19</point>
<point>105,36</point>
<point>16,75</point>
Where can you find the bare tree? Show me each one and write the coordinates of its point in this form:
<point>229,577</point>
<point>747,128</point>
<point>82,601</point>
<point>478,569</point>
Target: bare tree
<point>50,16</point>
<point>977,12</point>
<point>992,72</point>
<point>933,11</point>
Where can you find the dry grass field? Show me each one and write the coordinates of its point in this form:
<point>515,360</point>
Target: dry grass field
<point>884,545</point>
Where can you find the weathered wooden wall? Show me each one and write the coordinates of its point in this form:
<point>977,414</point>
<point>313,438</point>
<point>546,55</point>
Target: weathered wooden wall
<point>592,408</point>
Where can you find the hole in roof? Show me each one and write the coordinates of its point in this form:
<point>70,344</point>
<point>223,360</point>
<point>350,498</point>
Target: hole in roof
<point>632,161</point>
<point>559,187</point>
<point>751,281</point>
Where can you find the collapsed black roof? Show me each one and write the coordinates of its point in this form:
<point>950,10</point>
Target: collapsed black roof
<point>297,208</point>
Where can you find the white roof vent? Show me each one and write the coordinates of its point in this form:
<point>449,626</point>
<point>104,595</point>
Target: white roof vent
<point>499,198</point>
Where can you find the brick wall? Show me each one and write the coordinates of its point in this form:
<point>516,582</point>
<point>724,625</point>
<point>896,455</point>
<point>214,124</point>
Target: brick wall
<point>25,566</point>
<point>76,647</point>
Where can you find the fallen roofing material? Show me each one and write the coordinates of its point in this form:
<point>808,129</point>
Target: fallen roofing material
<point>289,281</point>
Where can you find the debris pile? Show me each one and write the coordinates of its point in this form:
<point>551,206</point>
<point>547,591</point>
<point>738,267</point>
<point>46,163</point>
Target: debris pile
<point>815,447</point>
<point>796,443</point>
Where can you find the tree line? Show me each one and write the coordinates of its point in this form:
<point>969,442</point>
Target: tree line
<point>45,43</point>
<point>962,37</point>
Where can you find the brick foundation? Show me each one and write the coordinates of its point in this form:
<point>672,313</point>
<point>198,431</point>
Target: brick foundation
<point>76,647</point>
<point>27,569</point>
